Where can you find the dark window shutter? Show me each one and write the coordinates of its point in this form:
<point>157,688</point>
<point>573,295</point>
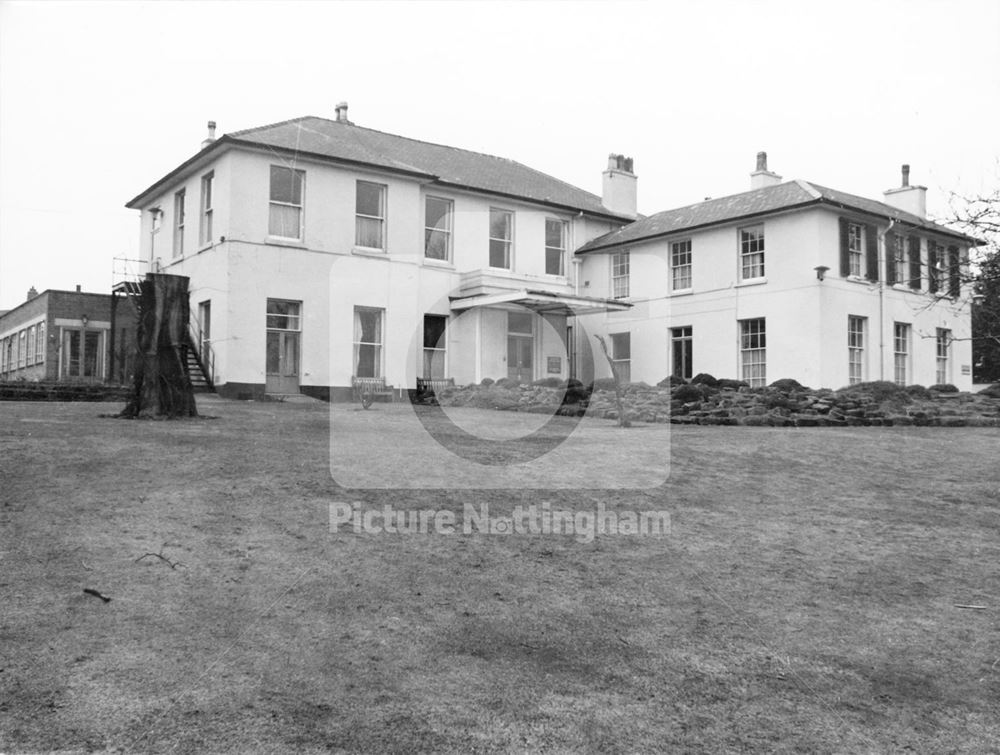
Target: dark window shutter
<point>932,261</point>
<point>954,273</point>
<point>871,252</point>
<point>913,247</point>
<point>845,255</point>
<point>890,257</point>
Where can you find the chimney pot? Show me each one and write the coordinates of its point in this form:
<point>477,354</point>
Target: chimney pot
<point>342,112</point>
<point>211,135</point>
<point>906,175</point>
<point>32,293</point>
<point>78,288</point>
<point>762,161</point>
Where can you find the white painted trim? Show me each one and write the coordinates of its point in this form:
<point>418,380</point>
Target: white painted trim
<point>91,324</point>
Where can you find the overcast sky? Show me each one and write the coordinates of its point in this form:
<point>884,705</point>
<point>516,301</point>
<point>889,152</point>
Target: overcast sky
<point>99,100</point>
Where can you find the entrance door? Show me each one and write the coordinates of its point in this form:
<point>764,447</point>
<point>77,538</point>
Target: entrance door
<point>81,358</point>
<point>283,334</point>
<point>520,347</point>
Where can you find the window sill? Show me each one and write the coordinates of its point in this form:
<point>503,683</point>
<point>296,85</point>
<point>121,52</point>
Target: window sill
<point>282,241</point>
<point>204,247</point>
<point>751,282</point>
<point>443,264</point>
<point>682,292</point>
<point>368,251</point>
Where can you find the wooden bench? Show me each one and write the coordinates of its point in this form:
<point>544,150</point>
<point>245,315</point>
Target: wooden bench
<point>433,385</point>
<point>371,386</point>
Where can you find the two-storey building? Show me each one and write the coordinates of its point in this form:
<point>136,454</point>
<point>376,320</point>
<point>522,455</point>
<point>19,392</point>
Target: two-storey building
<point>790,279</point>
<point>320,252</point>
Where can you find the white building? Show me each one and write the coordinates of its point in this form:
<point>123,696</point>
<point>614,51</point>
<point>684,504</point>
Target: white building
<point>787,280</point>
<point>320,252</point>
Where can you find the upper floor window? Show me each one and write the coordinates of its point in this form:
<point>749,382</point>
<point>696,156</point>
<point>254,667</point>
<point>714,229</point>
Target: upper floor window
<point>752,252</point>
<point>287,185</point>
<point>915,271</point>
<point>619,275</point>
<point>205,225</point>
<point>855,249</point>
<point>555,246</point>
<point>179,223</point>
<point>935,266</point>
<point>370,211</point>
<point>680,265</point>
<point>501,237</point>
<point>898,259</point>
<point>437,228</point>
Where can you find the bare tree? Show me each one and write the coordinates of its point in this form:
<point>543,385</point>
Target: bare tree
<point>616,377</point>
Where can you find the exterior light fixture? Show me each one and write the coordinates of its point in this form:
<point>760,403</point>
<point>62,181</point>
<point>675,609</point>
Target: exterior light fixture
<point>84,319</point>
<point>820,271</point>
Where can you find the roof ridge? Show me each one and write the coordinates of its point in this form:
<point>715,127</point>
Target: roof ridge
<point>268,125</point>
<point>809,188</point>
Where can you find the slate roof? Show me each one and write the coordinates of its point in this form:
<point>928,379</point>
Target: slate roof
<point>345,142</point>
<point>755,203</point>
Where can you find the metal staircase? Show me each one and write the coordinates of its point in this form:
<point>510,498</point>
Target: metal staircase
<point>199,357</point>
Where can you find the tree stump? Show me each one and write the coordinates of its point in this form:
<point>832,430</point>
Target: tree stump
<point>162,385</point>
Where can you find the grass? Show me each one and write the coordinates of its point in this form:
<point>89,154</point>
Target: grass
<point>805,600</point>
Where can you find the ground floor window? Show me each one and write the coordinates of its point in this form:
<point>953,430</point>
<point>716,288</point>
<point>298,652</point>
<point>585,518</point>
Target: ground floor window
<point>368,339</point>
<point>82,352</point>
<point>435,346</point>
<point>682,351</point>
<point>901,352</point>
<point>753,352</point>
<point>943,352</point>
<point>284,331</point>
<point>621,355</point>
<point>856,327</point>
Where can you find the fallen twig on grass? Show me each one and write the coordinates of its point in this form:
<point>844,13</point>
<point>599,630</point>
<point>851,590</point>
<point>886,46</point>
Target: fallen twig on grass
<point>96,594</point>
<point>173,564</point>
<point>974,608</point>
<point>84,565</point>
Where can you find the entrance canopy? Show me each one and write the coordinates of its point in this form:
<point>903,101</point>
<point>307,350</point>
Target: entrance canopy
<point>542,302</point>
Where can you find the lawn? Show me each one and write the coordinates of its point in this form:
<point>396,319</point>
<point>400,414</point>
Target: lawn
<point>807,599</point>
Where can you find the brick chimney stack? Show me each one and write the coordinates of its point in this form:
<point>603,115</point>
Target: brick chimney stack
<point>32,293</point>
<point>762,177</point>
<point>620,186</point>
<point>911,199</point>
<point>211,135</point>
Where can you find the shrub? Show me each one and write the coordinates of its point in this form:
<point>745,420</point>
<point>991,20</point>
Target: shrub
<point>734,384</point>
<point>548,382</point>
<point>603,384</point>
<point>918,391</point>
<point>671,381</point>
<point>880,390</point>
<point>992,391</point>
<point>943,388</point>
<point>687,393</point>
<point>487,382</point>
<point>703,378</point>
<point>507,383</point>
<point>787,385</point>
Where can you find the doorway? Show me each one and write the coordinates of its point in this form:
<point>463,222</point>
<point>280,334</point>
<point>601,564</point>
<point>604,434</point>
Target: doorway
<point>284,330</point>
<point>520,347</point>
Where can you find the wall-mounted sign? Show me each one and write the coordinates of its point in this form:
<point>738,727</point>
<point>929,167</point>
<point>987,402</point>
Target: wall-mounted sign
<point>966,369</point>
<point>555,365</point>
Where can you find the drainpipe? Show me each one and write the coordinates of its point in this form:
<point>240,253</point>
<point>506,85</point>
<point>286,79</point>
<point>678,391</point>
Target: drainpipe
<point>881,300</point>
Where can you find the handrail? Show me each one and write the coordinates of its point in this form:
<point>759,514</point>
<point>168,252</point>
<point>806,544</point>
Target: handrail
<point>203,347</point>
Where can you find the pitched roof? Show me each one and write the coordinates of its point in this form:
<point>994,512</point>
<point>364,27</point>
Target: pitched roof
<point>754,203</point>
<point>345,142</point>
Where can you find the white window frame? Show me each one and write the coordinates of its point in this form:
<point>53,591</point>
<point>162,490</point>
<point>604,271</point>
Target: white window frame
<point>430,351</point>
<point>620,268</point>
<point>508,243</point>
<point>856,250</point>
<point>943,341</point>
<point>900,263</point>
<point>41,344</point>
<point>681,335</point>
<point>559,250</point>
<point>446,231</point>
<point>361,219</point>
<point>753,351</point>
<point>752,255</point>
<point>379,345</point>
<point>857,337</point>
<point>206,212</point>
<point>901,339</point>
<point>179,201</point>
<point>622,342</point>
<point>680,266</point>
<point>300,207</point>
